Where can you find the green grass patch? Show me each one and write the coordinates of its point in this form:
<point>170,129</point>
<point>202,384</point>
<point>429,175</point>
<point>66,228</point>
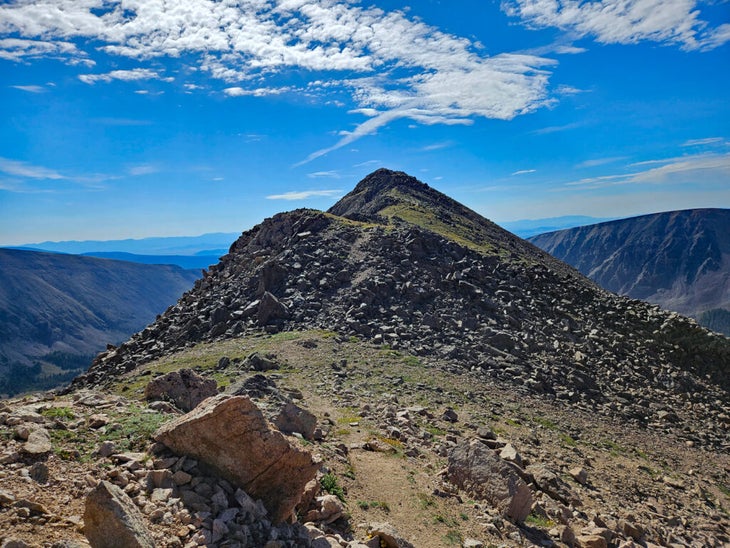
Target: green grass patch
<point>425,501</point>
<point>374,504</point>
<point>453,537</point>
<point>539,521</point>
<point>545,423</point>
<point>330,485</point>
<point>58,413</point>
<point>567,440</point>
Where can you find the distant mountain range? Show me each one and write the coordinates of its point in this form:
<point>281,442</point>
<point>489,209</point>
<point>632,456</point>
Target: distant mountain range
<point>184,251</point>
<point>525,228</point>
<point>58,310</point>
<point>679,260</point>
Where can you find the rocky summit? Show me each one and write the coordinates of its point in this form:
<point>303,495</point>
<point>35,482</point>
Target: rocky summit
<point>398,263</point>
<point>396,372</point>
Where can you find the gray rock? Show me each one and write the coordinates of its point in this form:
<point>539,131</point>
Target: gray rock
<point>38,442</point>
<point>388,535</point>
<point>293,418</point>
<point>549,482</point>
<point>185,388</point>
<point>476,469</point>
<point>111,520</point>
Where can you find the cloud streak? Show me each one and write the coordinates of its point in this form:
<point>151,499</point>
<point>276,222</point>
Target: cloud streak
<point>669,22</point>
<point>691,169</point>
<point>305,195</point>
<point>24,169</point>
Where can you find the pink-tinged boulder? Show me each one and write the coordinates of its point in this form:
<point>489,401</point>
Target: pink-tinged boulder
<point>475,468</point>
<point>111,520</point>
<point>231,435</point>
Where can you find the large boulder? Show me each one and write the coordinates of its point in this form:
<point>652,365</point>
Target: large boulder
<point>475,468</point>
<point>111,520</point>
<point>185,388</point>
<point>231,435</point>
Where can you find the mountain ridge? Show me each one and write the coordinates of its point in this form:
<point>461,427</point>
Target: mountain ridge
<point>500,307</point>
<point>679,260</point>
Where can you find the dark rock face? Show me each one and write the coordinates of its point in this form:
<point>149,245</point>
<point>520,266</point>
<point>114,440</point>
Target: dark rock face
<point>111,520</point>
<point>500,309</point>
<point>679,260</point>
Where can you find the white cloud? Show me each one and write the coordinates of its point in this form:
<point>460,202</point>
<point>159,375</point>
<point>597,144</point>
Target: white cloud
<point>595,162</point>
<point>124,75</point>
<point>701,142</point>
<point>691,169</point>
<point>305,194</point>
<point>391,66</point>
<point>675,22</point>
<point>145,169</point>
<point>24,169</point>
<point>318,174</point>
<point>256,92</point>
<point>524,171</point>
<point>31,89</point>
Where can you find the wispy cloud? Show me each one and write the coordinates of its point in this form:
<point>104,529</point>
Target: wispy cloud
<point>670,22</point>
<point>704,168</point>
<point>595,162</point>
<point>702,142</point>
<point>524,171</point>
<point>123,75</point>
<point>437,146</point>
<point>24,169</point>
<point>556,129</point>
<point>31,89</point>
<point>145,169</point>
<point>326,174</point>
<point>304,194</point>
<point>391,66</point>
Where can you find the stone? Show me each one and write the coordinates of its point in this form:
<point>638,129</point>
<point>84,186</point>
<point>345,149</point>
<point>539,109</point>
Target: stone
<point>97,420</point>
<point>111,520</point>
<point>474,467</point>
<point>509,453</point>
<point>579,474</point>
<point>449,415</point>
<point>270,309</point>
<point>388,535</point>
<point>39,472</point>
<point>257,362</point>
<point>185,388</point>
<point>590,541</point>
<point>231,435</point>
<point>6,498</point>
<point>106,449</point>
<point>293,418</point>
<point>549,482</point>
<point>38,442</point>
<point>472,543</point>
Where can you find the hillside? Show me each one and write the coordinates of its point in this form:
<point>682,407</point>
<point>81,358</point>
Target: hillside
<point>679,260</point>
<point>57,311</point>
<point>397,372</point>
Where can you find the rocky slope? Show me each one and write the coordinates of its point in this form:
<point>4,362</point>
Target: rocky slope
<point>400,264</point>
<point>60,310</point>
<point>679,260</point>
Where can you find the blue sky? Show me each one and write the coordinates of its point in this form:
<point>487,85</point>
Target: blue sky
<point>136,118</point>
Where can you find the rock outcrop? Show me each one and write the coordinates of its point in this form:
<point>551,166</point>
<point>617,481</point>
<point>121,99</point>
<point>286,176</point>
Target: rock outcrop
<point>231,435</point>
